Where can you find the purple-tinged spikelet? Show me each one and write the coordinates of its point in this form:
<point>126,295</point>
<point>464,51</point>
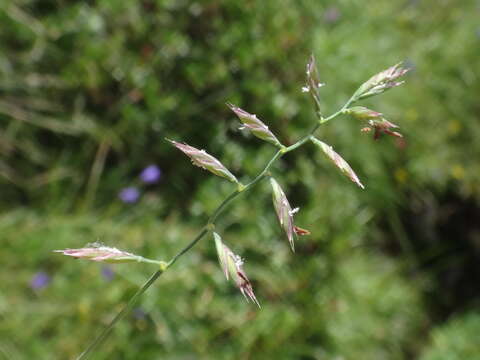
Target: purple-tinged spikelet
<point>255,125</point>
<point>284,212</point>
<point>205,161</point>
<point>98,252</point>
<point>101,253</point>
<point>338,161</point>
<point>363,113</point>
<point>380,127</point>
<point>313,83</point>
<point>232,267</point>
<point>376,121</point>
<point>381,82</point>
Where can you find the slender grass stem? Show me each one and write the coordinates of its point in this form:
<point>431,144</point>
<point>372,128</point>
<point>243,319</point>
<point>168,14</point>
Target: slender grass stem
<point>100,338</point>
<point>208,227</point>
<point>339,112</point>
<point>220,207</point>
<point>188,247</point>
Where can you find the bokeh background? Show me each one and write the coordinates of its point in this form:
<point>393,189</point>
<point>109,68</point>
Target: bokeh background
<point>89,90</point>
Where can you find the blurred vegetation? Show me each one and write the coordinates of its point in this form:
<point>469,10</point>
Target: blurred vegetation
<point>88,92</point>
<point>456,339</point>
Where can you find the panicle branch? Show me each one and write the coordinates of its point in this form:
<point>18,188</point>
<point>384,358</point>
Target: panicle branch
<point>230,263</point>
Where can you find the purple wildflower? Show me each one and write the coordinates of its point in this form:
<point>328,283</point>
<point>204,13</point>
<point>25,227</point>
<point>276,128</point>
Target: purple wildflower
<point>107,273</point>
<point>139,314</point>
<point>332,15</point>
<point>151,174</point>
<point>40,280</point>
<point>129,195</point>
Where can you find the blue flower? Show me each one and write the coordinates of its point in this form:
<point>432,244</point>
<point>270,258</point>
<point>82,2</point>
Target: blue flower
<point>139,314</point>
<point>40,280</point>
<point>151,174</point>
<point>332,15</point>
<point>129,195</point>
<point>107,273</point>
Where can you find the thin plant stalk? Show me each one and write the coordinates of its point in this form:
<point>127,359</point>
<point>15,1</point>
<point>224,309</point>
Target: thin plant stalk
<point>131,303</point>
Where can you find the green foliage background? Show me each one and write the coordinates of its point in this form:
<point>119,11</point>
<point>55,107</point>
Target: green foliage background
<point>88,92</point>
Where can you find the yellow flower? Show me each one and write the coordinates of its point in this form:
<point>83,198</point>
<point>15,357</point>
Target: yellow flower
<point>457,171</point>
<point>401,175</point>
